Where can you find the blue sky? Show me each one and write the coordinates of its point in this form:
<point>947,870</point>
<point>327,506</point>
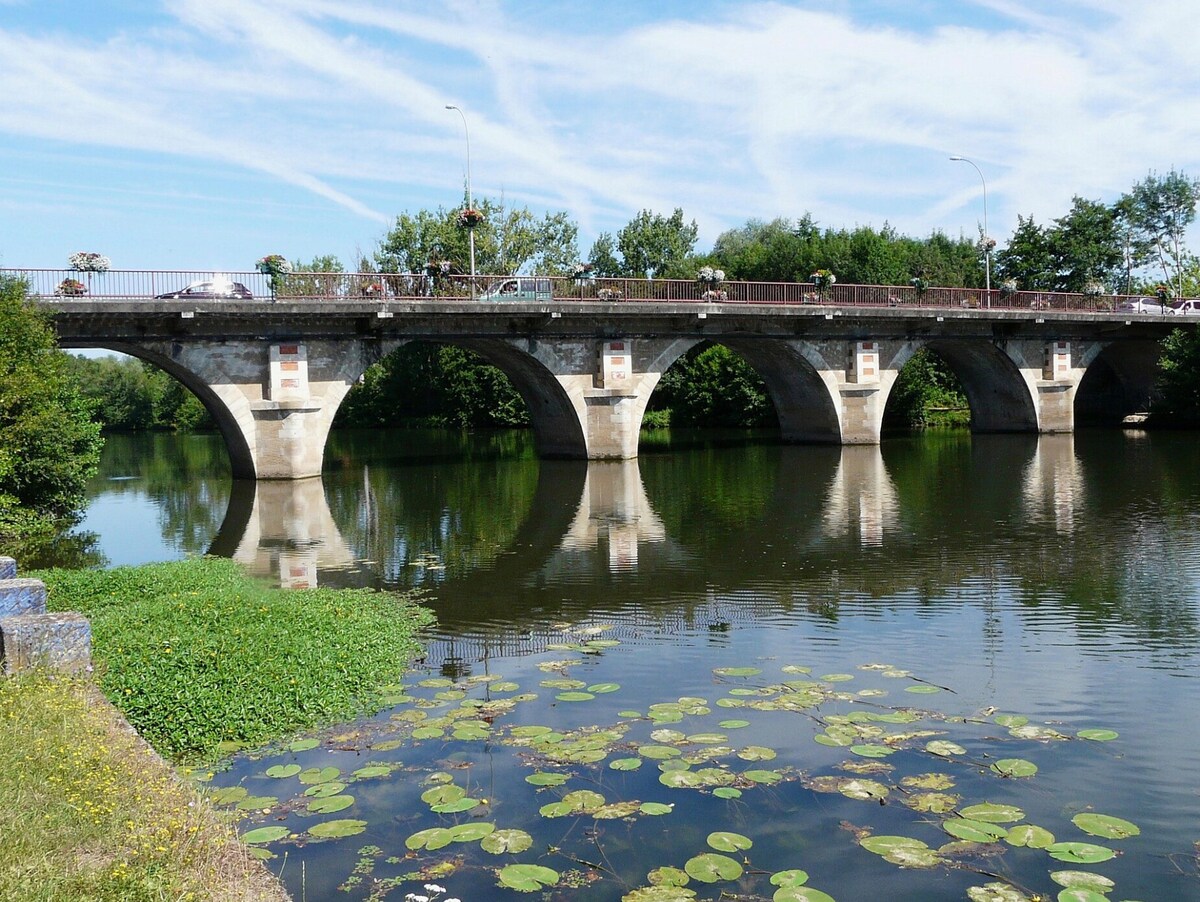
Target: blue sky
<point>203,134</point>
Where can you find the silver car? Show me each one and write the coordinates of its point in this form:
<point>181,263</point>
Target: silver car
<point>1151,306</point>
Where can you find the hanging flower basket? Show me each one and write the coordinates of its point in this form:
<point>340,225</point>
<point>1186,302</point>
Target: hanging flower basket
<point>919,284</point>
<point>1093,289</point>
<point>710,276</point>
<point>1162,292</point>
<point>71,288</point>
<point>469,217</point>
<point>583,272</point>
<point>1008,288</point>
<point>273,265</point>
<point>88,261</point>
<point>823,278</point>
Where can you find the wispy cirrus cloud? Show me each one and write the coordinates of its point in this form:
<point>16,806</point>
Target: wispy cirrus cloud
<point>730,111</point>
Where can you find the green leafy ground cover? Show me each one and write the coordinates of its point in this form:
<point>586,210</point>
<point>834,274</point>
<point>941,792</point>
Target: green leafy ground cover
<point>202,659</point>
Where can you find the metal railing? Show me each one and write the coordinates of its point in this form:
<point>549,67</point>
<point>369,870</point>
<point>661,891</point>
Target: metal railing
<point>323,287</point>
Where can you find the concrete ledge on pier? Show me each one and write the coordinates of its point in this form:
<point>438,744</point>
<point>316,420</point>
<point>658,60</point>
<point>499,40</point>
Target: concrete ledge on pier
<point>609,393</point>
<point>283,406</point>
<point>22,596</point>
<point>61,642</point>
<point>8,568</point>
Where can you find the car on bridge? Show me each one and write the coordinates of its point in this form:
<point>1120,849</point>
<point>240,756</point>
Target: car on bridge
<point>520,288</point>
<point>1146,306</point>
<point>212,289</point>
<point>1186,308</point>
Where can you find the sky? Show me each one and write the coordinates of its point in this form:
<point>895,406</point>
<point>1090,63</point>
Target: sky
<point>204,134</point>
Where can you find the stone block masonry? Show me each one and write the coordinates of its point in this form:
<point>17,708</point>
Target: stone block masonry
<point>31,637</point>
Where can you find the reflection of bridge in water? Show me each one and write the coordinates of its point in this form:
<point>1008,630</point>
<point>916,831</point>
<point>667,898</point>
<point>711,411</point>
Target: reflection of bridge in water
<point>569,567</point>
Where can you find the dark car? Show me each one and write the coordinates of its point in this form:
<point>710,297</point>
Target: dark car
<point>212,289</point>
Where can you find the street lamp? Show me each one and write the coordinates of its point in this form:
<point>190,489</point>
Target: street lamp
<point>987,249</point>
<point>470,203</point>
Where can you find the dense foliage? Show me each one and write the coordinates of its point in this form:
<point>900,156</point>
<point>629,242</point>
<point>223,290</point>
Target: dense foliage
<point>131,396</point>
<point>1179,379</point>
<point>926,394</point>
<point>49,446</point>
<point>712,386</point>
<point>196,653</point>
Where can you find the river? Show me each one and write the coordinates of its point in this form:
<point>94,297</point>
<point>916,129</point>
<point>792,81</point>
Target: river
<point>735,662</point>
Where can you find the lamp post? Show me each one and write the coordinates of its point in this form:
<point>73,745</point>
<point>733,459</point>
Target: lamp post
<point>987,250</point>
<point>470,202</point>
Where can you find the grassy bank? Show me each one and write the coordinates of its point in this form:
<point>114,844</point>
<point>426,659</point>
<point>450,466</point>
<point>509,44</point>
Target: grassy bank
<point>89,812</point>
<point>201,657</point>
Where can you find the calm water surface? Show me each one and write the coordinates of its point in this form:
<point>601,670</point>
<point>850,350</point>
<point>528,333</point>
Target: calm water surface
<point>778,591</point>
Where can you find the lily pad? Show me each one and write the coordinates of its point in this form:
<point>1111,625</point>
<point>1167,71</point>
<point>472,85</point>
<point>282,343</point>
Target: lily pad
<point>667,876</point>
<point>727,792</point>
<point>625,763</point>
<point>767,777</point>
<point>996,892</point>
<point>303,745</point>
<point>1105,825</point>
<point>932,802</point>
<point>1081,894</point>
<point>603,688</point>
<point>440,795</point>
<point>511,841</point>
<point>800,894</point>
<point>432,839</point>
<point>265,834</point>
<point>338,828</point>
<point>574,696</point>
<point>872,750</point>
<point>471,831</point>
<point>1014,767</point>
<point>993,814</point>
<point>280,771</point>
<point>711,868</point>
<point>756,753</point>
<point>319,775</point>
<point>737,671</point>
<point>928,781</point>
<point>330,804</point>
<point>882,845</point>
<point>1098,882</point>
<point>944,748</point>
<point>527,878</point>
<point>464,804</point>
<point>372,770</point>
<point>251,803</point>
<point>793,877</point>
<point>1029,836</point>
<point>323,790</point>
<point>974,831</point>
<point>546,778</point>
<point>659,894</point>
<point>1079,852</point>
<point>729,842</point>
<point>655,808</point>
<point>1098,735</point>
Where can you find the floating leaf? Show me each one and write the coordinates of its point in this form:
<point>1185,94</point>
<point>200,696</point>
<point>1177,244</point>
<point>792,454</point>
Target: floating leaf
<point>872,751</point>
<point>303,745</point>
<point>993,814</point>
<point>574,696</point>
<point>1097,882</point>
<point>762,776</point>
<point>1105,825</point>
<point>928,781</point>
<point>838,677</point>
<point>944,748</point>
<point>996,892</point>
<point>527,878</point>
<point>324,790</point>
<point>1098,735</point>
<point>546,778</point>
<point>882,845</point>
<point>280,771</point>
<point>603,688</point>
<point>800,894</point>
<point>432,839</point>
<point>756,753</point>
<point>464,804</point>
<point>330,804</point>
<point>1011,720</point>
<point>727,792</point>
<point>655,808</point>
<point>932,802</point>
<point>659,894</point>
<point>1081,894</point>
<point>625,763</point>
<point>863,790</point>
<point>667,877</point>
<point>337,829</point>
<point>228,795</point>
<point>1029,836</point>
<point>914,858</point>
<point>681,779</point>
<point>1014,767</point>
<point>729,842</point>
<point>793,877</point>
<point>440,795</point>
<point>501,841</point>
<point>584,800</point>
<point>372,770</point>
<point>973,831</point>
<point>319,775</point>
<point>922,689</point>
<point>1079,852</point>
<point>708,738</point>
<point>471,831</point>
<point>711,867</point>
<point>428,733</point>
<point>737,671</point>
<point>265,834</point>
<point>658,752</point>
<point>251,803</point>
<point>556,809</point>
<point>733,724</point>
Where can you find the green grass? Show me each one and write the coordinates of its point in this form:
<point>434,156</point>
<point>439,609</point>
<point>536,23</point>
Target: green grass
<point>88,812</point>
<point>201,657</point>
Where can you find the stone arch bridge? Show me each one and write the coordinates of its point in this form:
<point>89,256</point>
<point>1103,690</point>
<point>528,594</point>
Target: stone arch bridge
<point>274,373</point>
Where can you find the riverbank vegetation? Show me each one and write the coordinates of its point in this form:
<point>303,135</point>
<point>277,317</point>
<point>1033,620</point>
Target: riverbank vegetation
<point>88,811</point>
<point>203,659</point>
<point>49,446</point>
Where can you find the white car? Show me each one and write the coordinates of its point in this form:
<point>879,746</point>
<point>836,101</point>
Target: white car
<point>1146,306</point>
<point>1186,308</point>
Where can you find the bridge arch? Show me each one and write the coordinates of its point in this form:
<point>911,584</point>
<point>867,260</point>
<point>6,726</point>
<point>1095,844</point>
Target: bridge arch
<point>1119,380</point>
<point>998,388</point>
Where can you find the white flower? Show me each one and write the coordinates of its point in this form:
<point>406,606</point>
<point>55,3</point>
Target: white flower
<point>434,888</point>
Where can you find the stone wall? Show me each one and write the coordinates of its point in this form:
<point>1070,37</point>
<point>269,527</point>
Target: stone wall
<point>31,637</point>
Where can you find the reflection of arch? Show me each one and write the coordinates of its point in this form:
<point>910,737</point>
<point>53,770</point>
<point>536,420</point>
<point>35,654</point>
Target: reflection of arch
<point>1120,380</point>
<point>614,505</point>
<point>1053,482</point>
<point>225,409</point>
<point>996,391</point>
<point>862,497</point>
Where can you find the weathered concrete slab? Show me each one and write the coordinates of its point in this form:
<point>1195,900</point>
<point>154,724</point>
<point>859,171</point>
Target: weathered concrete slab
<point>8,568</point>
<point>60,641</point>
<point>22,596</point>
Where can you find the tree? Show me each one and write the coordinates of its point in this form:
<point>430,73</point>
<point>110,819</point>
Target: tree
<point>1027,259</point>
<point>49,446</point>
<point>508,240</point>
<point>1084,246</point>
<point>298,283</point>
<point>656,246</point>
<point>1160,209</point>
